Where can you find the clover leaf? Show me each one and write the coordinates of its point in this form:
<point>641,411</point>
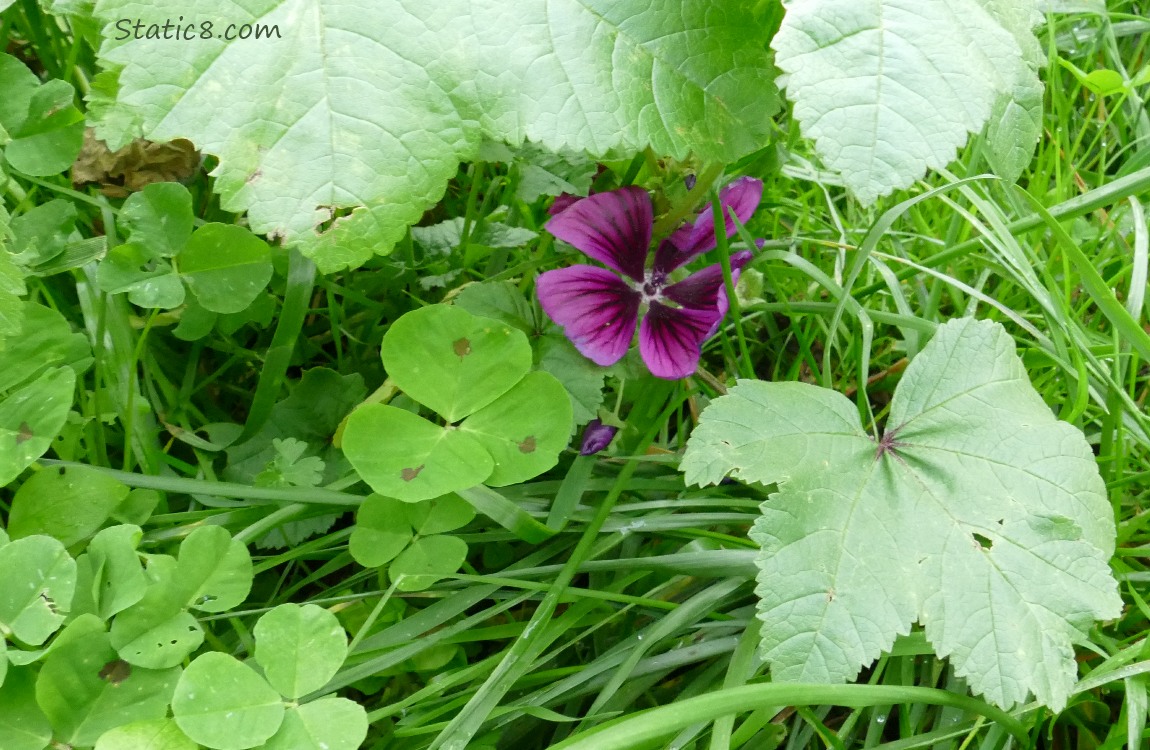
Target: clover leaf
<point>411,536</point>
<point>463,367</point>
<point>977,514</point>
<point>224,704</point>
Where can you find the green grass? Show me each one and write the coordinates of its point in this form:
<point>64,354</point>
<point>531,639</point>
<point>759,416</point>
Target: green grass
<point>645,597</point>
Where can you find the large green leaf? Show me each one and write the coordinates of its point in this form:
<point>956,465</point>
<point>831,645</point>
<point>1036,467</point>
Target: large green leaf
<point>371,106</point>
<point>890,88</point>
<point>978,514</point>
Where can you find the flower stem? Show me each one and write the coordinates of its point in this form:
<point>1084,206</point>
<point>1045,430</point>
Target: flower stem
<point>745,368</point>
<point>703,183</point>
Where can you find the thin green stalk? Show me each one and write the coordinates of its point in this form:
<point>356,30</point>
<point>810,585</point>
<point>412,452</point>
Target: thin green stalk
<point>703,183</point>
<point>133,366</point>
<point>269,522</point>
<point>181,485</point>
<point>1132,184</point>
<point>642,729</point>
<point>522,654</point>
<point>723,244</point>
<point>297,299</point>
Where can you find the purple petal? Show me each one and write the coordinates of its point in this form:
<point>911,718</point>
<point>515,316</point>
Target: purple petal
<point>614,228</point>
<point>703,289</point>
<point>596,308</point>
<point>691,240</point>
<point>671,340</point>
<point>596,437</point>
<point>562,202</point>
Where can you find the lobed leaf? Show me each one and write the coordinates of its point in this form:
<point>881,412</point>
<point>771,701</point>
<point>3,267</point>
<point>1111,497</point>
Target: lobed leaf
<point>371,107</point>
<point>978,514</point>
<point>890,88</point>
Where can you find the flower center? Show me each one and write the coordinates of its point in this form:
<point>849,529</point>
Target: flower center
<point>652,286</point>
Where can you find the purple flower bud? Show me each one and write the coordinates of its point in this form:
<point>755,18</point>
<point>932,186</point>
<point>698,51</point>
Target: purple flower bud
<point>689,181</point>
<point>596,437</point>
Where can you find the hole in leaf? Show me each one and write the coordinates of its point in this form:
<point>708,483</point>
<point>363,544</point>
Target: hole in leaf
<point>409,473</point>
<point>25,433</point>
<point>330,216</point>
<point>528,445</point>
<point>116,671</point>
<point>983,541</point>
<point>462,347</point>
<point>830,595</point>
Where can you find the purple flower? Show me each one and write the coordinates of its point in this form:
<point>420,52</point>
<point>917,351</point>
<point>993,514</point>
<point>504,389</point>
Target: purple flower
<point>596,437</point>
<point>598,308</point>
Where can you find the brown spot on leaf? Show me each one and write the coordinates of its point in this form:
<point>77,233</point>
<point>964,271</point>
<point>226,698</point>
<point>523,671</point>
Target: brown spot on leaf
<point>25,433</point>
<point>528,445</point>
<point>116,671</point>
<point>830,595</point>
<point>462,347</point>
<point>409,473</point>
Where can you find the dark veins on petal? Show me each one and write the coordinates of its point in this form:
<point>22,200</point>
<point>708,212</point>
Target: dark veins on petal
<point>670,340</point>
<point>702,289</point>
<point>613,228</point>
<point>596,308</point>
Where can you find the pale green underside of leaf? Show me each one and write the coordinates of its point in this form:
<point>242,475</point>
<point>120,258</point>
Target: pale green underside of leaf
<point>371,106</point>
<point>890,88</point>
<point>988,523</point>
